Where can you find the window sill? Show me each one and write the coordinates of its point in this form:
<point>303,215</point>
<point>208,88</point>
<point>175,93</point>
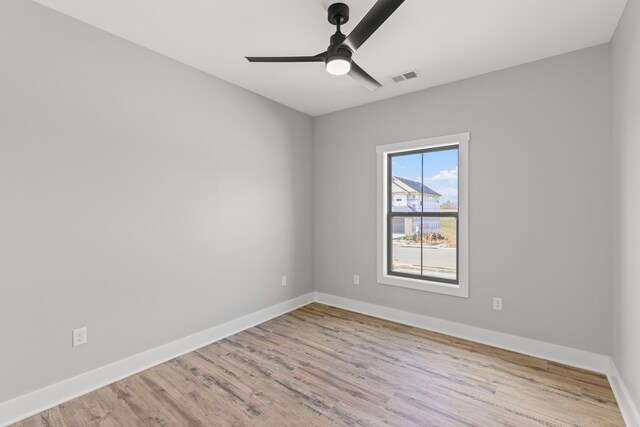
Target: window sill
<point>424,285</point>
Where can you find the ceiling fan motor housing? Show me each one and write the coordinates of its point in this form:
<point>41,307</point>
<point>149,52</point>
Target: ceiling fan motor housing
<point>338,52</point>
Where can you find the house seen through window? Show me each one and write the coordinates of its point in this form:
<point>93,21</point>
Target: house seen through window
<point>422,214</point>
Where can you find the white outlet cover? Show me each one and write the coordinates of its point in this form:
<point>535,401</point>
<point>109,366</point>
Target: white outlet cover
<point>497,303</point>
<point>356,279</point>
<point>284,280</point>
<point>79,337</point>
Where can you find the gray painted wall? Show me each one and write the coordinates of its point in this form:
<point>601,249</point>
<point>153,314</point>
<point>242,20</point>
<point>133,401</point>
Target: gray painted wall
<point>540,197</point>
<point>138,197</point>
<point>626,186</point>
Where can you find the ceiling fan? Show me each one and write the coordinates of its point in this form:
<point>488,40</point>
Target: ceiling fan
<point>337,57</point>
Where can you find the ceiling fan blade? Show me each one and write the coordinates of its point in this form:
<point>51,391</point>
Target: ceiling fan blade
<point>379,13</point>
<point>318,58</point>
<point>362,77</point>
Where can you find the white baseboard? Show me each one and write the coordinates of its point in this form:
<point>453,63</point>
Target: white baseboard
<point>50,396</point>
<point>629,410</point>
<point>557,353</point>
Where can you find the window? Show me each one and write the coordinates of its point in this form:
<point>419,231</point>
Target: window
<point>423,243</point>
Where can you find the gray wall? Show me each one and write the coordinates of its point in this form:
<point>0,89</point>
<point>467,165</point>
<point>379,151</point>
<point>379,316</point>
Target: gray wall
<point>540,197</point>
<point>626,191</point>
<point>138,197</point>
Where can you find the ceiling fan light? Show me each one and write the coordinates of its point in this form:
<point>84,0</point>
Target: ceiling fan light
<point>338,66</point>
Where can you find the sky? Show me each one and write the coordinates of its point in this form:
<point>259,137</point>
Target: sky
<point>438,170</point>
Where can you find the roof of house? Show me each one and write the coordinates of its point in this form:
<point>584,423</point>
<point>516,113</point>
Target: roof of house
<point>417,186</point>
<point>403,209</point>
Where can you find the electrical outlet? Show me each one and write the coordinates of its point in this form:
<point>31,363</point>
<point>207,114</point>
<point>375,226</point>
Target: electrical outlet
<point>356,279</point>
<point>79,337</point>
<point>284,280</point>
<point>497,303</point>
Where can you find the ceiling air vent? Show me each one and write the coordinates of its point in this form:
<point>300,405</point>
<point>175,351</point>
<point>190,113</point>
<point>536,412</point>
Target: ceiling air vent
<point>404,76</point>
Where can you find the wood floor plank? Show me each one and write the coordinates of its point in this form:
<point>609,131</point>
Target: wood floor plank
<point>323,366</point>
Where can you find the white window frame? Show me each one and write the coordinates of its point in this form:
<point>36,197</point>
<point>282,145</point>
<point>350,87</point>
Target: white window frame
<point>460,140</point>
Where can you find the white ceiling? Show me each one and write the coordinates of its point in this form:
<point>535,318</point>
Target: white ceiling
<point>443,40</point>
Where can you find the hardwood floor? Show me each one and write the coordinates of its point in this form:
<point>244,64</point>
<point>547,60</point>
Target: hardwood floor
<point>319,366</point>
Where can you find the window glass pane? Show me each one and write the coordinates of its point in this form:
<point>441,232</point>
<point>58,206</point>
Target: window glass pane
<point>440,178</point>
<point>405,250</point>
<point>421,183</point>
<point>439,243</point>
<point>406,174</point>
